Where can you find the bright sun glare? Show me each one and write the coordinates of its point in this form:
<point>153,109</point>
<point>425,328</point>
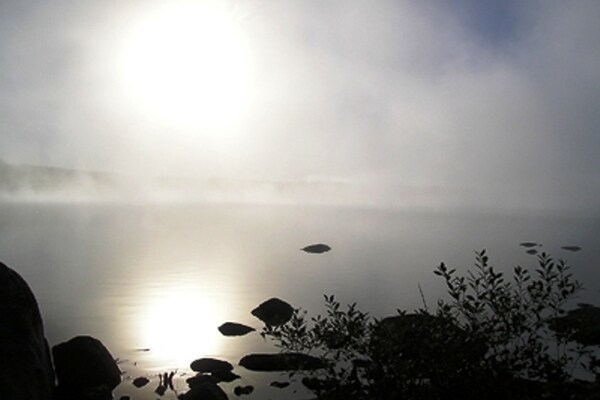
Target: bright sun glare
<point>178,322</point>
<point>186,63</point>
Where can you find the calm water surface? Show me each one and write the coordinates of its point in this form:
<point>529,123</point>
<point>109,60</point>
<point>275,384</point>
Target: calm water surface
<point>164,277</point>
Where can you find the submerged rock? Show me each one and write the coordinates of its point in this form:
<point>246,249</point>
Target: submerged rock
<point>83,365</point>
<point>235,329</point>
<point>316,248</point>
<point>531,251</point>
<point>210,365</point>
<point>571,248</point>
<point>281,362</point>
<point>279,385</point>
<point>274,312</point>
<point>25,367</point>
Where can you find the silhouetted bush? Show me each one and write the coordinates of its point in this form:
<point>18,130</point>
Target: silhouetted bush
<point>495,338</point>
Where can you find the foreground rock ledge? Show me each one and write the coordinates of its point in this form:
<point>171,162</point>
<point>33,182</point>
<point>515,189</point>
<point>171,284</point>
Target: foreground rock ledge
<point>25,367</point>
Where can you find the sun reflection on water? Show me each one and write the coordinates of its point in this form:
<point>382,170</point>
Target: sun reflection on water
<point>178,324</point>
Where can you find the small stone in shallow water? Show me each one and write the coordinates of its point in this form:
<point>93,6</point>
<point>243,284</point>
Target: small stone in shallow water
<point>316,248</point>
<point>528,244</point>
<point>240,390</point>
<point>571,248</point>
<point>140,382</point>
<point>531,251</point>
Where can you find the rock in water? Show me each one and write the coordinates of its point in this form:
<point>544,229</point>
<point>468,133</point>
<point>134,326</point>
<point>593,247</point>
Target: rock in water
<point>25,367</point>
<point>571,248</point>
<point>281,362</point>
<point>83,365</point>
<point>240,390</point>
<point>274,312</point>
<point>528,244</point>
<point>140,382</point>
<point>234,329</point>
<point>316,248</point>
<point>210,365</point>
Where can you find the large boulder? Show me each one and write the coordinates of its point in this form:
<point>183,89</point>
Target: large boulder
<point>25,366</point>
<point>85,368</point>
<point>274,312</point>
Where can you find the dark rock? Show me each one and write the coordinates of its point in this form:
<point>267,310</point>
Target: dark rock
<point>210,365</point>
<point>160,390</point>
<point>25,367</point>
<point>200,379</point>
<point>581,325</point>
<point>140,382</point>
<point>316,248</point>
<point>224,376</point>
<point>531,251</point>
<point>281,362</point>
<point>125,397</point>
<point>205,391</point>
<point>279,385</point>
<point>571,248</point>
<point>84,364</point>
<point>274,312</point>
<point>240,390</point>
<point>235,329</point>
<point>528,244</point>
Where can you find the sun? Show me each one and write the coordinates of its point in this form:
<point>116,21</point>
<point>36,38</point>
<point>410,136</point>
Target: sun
<point>186,63</point>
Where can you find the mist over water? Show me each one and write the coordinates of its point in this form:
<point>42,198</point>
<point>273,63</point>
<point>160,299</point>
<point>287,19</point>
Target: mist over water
<point>127,272</point>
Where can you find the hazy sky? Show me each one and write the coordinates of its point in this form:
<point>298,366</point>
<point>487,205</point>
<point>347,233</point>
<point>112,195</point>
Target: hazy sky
<point>486,103</point>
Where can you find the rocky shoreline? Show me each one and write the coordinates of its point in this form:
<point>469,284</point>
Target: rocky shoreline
<point>82,368</point>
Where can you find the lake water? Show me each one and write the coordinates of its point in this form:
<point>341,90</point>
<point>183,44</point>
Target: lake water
<point>164,277</point>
